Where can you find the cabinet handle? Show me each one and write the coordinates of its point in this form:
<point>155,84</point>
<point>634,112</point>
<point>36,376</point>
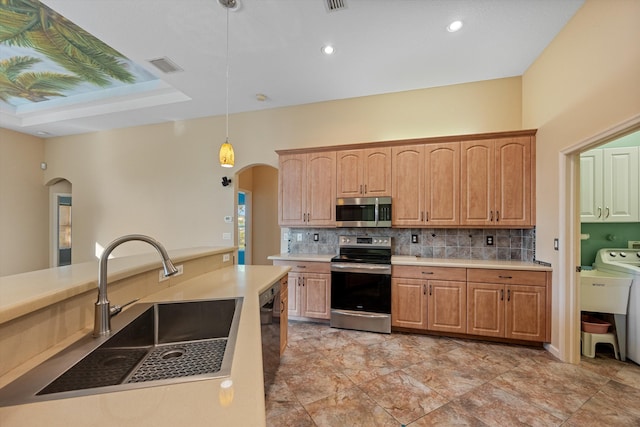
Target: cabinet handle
<point>501,294</point>
<point>427,217</point>
<point>505,277</point>
<point>430,290</point>
<point>365,189</point>
<point>421,216</point>
<point>427,272</point>
<point>497,216</point>
<point>361,189</point>
<point>301,266</point>
<point>509,295</point>
<point>607,214</point>
<point>424,289</point>
<point>281,307</point>
<point>599,211</point>
<point>491,218</point>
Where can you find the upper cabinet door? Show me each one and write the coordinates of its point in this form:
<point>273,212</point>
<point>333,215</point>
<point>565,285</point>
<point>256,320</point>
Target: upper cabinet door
<point>513,182</point>
<point>591,202</point>
<point>477,183</point>
<point>364,173</point>
<point>620,184</point>
<point>292,179</point>
<point>349,173</point>
<point>408,185</point>
<point>321,189</point>
<point>442,184</point>
<point>376,173</point>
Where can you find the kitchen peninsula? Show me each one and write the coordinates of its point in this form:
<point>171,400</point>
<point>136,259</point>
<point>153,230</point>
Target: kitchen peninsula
<point>208,273</point>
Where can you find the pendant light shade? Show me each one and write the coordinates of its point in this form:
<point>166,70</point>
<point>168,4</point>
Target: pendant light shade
<point>226,155</point>
<point>227,158</point>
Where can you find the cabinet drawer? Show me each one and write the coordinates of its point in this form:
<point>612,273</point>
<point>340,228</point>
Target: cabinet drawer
<point>521,277</point>
<point>429,273</point>
<point>305,266</point>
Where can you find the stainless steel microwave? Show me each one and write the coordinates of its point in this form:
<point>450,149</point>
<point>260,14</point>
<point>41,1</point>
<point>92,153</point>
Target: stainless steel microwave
<point>363,212</point>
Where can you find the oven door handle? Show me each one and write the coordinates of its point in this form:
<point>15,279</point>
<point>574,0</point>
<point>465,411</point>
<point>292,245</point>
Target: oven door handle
<point>356,314</point>
<point>362,268</point>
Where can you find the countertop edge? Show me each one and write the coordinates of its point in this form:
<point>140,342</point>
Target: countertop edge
<point>433,262</point>
<point>69,281</point>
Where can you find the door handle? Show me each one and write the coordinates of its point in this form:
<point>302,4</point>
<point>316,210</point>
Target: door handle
<point>607,214</point>
<point>599,212</point>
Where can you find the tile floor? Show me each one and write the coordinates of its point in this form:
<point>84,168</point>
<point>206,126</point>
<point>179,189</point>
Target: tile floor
<point>336,378</point>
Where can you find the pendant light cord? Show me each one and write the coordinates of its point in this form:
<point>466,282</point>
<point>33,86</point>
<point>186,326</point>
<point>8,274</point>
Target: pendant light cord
<point>227,77</point>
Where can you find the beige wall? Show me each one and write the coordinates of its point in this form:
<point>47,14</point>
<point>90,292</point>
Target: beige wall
<point>24,208</point>
<point>266,232</point>
<point>164,180</point>
<point>585,83</point>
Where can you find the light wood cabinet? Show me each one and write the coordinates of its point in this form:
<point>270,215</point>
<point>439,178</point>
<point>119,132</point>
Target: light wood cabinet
<point>496,182</point>
<point>284,314</point>
<point>429,298</point>
<point>508,303</point>
<point>426,185</point>
<point>309,289</point>
<point>307,185</point>
<point>364,172</point>
<point>609,187</point>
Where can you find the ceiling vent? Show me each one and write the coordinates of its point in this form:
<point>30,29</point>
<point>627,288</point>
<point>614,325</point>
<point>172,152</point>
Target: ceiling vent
<point>165,65</point>
<point>333,5</point>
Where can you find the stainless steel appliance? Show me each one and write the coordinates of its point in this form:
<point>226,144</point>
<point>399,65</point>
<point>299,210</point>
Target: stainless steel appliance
<point>363,212</point>
<point>361,284</point>
<point>270,331</point>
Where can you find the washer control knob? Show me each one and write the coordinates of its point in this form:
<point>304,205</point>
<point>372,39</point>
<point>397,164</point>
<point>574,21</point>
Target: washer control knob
<point>623,254</point>
<point>613,254</point>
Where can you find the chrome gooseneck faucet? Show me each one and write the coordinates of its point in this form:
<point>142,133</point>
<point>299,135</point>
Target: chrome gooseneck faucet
<point>103,310</point>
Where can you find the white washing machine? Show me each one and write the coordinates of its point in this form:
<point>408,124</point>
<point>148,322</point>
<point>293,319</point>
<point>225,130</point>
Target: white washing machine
<point>626,261</point>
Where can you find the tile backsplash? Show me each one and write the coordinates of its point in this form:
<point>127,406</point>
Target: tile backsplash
<point>459,243</point>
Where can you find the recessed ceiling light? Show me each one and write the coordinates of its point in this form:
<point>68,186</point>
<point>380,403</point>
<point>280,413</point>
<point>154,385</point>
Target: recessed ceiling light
<point>328,50</point>
<point>454,26</point>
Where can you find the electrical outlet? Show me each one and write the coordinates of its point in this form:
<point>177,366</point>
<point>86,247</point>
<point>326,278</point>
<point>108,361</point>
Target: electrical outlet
<point>414,238</point>
<point>556,244</point>
<point>316,237</point>
<point>299,237</point>
<point>489,240</point>
<point>226,257</point>
<point>226,236</point>
<point>285,236</point>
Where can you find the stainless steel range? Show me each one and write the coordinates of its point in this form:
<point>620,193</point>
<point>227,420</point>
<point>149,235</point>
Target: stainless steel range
<point>361,284</point>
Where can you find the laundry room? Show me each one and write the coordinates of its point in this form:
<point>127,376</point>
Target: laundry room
<point>610,249</point>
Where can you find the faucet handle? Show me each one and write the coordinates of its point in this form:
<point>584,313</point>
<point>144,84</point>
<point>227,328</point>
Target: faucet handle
<point>118,308</point>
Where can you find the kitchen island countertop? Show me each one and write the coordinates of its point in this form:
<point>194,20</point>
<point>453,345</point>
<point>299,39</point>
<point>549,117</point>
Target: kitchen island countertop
<point>196,403</point>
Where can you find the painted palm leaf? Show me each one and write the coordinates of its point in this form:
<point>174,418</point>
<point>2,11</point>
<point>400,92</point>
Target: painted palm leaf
<point>34,86</point>
<point>28,23</point>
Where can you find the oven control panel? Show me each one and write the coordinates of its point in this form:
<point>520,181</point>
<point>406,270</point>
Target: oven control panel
<point>366,241</point>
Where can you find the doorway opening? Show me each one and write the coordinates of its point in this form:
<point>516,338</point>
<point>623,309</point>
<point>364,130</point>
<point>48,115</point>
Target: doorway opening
<point>63,229</point>
<point>244,219</point>
<point>570,231</point>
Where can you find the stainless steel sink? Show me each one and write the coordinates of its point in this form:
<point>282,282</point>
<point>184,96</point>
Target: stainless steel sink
<point>151,344</point>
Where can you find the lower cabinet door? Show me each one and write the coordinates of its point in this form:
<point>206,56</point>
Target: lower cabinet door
<point>485,314</point>
<point>408,303</point>
<point>525,311</point>
<point>284,316</point>
<point>316,296</point>
<point>447,306</point>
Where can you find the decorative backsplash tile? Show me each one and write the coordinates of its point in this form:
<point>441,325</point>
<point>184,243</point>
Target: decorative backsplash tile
<point>459,243</point>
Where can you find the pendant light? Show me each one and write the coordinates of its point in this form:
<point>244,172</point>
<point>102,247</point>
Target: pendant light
<point>226,155</point>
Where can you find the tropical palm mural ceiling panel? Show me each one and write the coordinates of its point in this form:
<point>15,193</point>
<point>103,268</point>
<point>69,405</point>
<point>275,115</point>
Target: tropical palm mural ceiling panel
<point>48,61</point>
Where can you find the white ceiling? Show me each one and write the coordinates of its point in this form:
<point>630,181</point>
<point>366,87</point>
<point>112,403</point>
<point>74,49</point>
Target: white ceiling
<point>382,46</point>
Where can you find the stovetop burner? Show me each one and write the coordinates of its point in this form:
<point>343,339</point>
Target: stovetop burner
<point>364,250</point>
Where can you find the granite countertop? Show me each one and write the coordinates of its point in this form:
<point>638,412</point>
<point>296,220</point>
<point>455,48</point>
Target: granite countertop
<point>27,292</point>
<point>433,262</point>
<point>191,403</point>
